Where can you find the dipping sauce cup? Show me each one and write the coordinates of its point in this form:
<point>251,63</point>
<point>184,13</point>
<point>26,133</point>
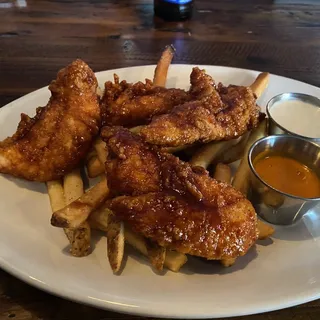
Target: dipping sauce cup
<point>295,113</point>
<point>276,206</point>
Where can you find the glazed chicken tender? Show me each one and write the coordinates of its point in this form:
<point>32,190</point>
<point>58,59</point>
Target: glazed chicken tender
<point>53,143</point>
<point>174,204</point>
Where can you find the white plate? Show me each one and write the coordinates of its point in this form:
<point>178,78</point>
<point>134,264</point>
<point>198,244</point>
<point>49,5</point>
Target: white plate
<point>269,277</point>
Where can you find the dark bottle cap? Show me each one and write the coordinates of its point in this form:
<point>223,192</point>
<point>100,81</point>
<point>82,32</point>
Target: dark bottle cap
<point>173,10</point>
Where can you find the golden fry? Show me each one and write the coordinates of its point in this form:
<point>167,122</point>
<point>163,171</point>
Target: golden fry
<point>56,195</point>
<point>115,240</point>
<point>173,260</point>
<point>161,71</point>
<point>205,155</point>
<point>94,167</point>
<point>241,179</point>
<point>136,241</point>
<point>100,147</point>
<point>73,215</point>
<point>260,84</point>
<point>228,262</point>
<point>79,238</point>
<point>235,153</point>
<point>156,254</point>
<point>265,230</point>
<point>273,198</point>
<point>99,218</point>
<point>73,186</point>
<point>223,173</point>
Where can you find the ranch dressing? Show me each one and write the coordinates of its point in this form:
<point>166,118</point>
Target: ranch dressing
<point>298,117</point>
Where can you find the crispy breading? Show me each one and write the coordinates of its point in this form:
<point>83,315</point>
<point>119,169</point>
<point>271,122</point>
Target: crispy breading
<point>176,205</point>
<point>226,113</point>
<point>135,104</point>
<point>130,105</point>
<point>52,143</point>
<point>131,168</point>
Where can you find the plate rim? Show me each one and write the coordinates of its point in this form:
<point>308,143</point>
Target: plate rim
<point>145,312</point>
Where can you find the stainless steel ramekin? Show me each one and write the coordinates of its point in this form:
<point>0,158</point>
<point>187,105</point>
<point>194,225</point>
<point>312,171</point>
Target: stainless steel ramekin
<point>275,127</point>
<point>274,205</point>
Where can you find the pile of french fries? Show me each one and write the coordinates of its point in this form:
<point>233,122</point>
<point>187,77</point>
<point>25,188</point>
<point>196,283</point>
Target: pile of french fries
<point>78,211</point>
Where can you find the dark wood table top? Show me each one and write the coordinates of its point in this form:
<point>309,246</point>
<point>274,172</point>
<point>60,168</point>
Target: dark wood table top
<point>37,38</point>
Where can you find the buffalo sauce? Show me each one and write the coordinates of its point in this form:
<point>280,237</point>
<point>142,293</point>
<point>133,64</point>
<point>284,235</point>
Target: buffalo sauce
<point>288,175</point>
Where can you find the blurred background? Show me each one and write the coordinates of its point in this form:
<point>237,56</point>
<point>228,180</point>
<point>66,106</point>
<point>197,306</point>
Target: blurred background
<point>39,37</point>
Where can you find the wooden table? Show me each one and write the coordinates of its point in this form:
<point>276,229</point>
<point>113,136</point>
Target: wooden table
<point>37,38</point>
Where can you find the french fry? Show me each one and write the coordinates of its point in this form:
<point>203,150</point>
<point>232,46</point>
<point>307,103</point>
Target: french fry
<point>161,71</point>
<point>265,230</point>
<point>56,195</point>
<point>115,241</point>
<point>103,219</point>
<point>100,147</point>
<point>156,254</point>
<point>79,238</point>
<point>136,241</point>
<point>173,260</point>
<point>241,179</point>
<point>272,198</point>
<point>260,84</point>
<point>205,155</point>
<point>74,214</point>
<point>235,153</point>
<point>223,173</point>
<point>94,167</point>
<point>228,262</point>
<point>99,218</point>
<point>73,186</point>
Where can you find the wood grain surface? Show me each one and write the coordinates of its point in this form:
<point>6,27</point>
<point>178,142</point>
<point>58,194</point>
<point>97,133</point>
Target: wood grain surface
<point>37,38</point>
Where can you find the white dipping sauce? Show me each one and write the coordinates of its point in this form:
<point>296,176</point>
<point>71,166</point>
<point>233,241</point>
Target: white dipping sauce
<point>298,117</point>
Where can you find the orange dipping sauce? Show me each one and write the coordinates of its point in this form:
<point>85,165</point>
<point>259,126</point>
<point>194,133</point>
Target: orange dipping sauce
<point>288,175</point>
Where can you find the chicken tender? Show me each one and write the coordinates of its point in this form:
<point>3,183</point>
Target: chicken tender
<point>130,105</point>
<point>52,143</point>
<point>174,204</point>
<point>226,113</point>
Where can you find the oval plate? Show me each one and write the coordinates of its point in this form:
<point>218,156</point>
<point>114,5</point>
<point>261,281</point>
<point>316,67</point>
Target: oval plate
<point>269,277</point>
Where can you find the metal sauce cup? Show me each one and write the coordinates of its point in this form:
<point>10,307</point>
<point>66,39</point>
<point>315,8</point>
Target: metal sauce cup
<point>275,127</point>
<point>274,205</point>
